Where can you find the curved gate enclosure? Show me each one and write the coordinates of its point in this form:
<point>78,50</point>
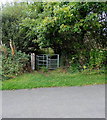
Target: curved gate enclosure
<point>47,61</point>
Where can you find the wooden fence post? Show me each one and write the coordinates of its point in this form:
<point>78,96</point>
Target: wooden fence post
<point>57,61</point>
<point>33,61</point>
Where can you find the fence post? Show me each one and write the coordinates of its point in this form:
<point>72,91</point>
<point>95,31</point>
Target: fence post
<point>47,61</point>
<point>58,61</point>
<point>33,61</point>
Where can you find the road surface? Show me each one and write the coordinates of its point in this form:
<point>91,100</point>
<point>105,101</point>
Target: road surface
<point>57,102</point>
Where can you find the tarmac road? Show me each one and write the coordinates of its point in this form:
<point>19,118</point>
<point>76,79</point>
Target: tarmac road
<point>58,102</point>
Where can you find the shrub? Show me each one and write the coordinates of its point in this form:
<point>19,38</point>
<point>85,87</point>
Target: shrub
<point>74,68</point>
<point>94,59</point>
<point>14,65</point>
<point>97,58</point>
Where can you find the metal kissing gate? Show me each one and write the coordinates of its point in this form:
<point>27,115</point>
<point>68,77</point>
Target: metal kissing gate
<point>48,61</point>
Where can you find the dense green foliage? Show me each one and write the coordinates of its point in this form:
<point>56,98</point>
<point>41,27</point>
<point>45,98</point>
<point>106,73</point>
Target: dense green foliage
<point>13,65</point>
<point>57,78</point>
<point>76,31</point>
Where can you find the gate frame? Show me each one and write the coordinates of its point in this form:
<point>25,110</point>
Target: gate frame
<point>46,60</point>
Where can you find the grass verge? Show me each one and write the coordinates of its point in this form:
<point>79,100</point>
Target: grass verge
<point>55,78</point>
